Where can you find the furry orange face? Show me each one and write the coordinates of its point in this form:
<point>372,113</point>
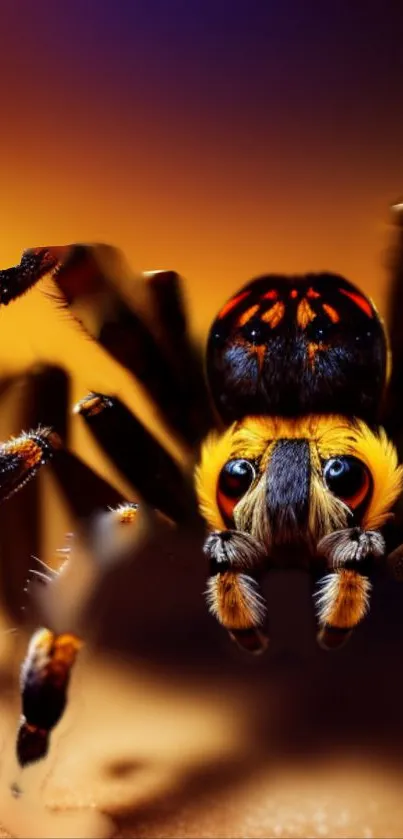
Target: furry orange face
<point>322,472</point>
<point>322,483</point>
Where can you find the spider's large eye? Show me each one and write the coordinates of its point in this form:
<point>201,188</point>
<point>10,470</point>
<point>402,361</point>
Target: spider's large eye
<point>235,479</point>
<point>349,479</point>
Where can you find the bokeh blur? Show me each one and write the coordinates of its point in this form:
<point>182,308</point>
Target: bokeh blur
<point>222,140</point>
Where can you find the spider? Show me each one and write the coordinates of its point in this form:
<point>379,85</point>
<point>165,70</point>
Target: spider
<point>297,473</point>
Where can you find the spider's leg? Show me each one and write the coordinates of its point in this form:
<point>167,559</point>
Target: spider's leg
<point>97,292</point>
<point>392,418</point>
<point>169,318</point>
<point>49,401</point>
<point>394,563</point>
<point>138,456</point>
<point>392,414</point>
<point>20,460</point>
<point>106,300</point>
<point>84,491</point>
<point>233,593</point>
<point>35,263</point>
<point>342,600</point>
<point>51,654</point>
<point>50,398</point>
<point>45,676</point>
<point>22,457</point>
<point>167,314</point>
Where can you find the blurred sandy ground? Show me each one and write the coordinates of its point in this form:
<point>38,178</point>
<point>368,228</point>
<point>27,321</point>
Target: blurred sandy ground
<point>170,730</point>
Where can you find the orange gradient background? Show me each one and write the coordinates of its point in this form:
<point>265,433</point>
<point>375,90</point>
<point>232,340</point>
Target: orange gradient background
<point>220,139</point>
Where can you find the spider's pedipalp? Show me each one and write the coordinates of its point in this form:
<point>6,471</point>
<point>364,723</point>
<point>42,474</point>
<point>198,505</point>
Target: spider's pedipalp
<point>235,550</point>
<point>233,594</point>
<point>352,545</point>
<point>342,602</point>
<point>344,595</point>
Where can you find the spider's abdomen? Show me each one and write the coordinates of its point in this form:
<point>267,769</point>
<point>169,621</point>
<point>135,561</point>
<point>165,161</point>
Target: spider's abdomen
<point>296,345</point>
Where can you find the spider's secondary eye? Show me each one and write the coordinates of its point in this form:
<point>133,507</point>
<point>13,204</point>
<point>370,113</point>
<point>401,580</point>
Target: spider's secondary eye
<point>320,329</point>
<point>348,478</point>
<point>256,332</point>
<point>235,479</point>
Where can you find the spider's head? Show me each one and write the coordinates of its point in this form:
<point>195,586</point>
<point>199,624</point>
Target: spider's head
<point>289,481</point>
<point>290,346</point>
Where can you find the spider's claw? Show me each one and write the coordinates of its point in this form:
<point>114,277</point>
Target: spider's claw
<point>252,640</point>
<point>32,743</point>
<point>332,637</point>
